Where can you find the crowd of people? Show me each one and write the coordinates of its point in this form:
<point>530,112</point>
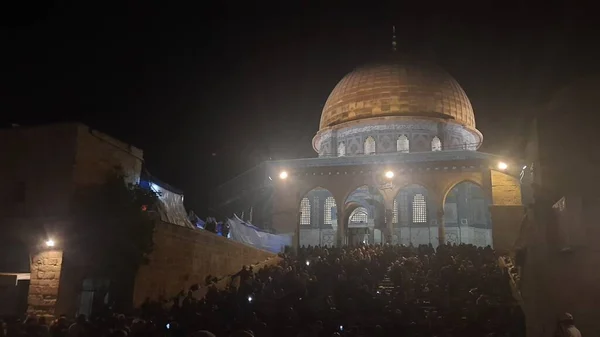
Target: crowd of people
<point>319,291</point>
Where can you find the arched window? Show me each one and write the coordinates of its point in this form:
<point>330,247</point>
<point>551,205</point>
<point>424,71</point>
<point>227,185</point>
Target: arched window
<point>436,144</point>
<point>360,215</point>
<point>370,145</point>
<point>341,150</point>
<point>402,144</point>
<point>419,208</point>
<point>395,210</point>
<point>305,209</point>
<point>329,205</point>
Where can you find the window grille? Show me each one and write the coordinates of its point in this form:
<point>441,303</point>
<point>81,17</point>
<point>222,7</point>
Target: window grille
<point>419,209</point>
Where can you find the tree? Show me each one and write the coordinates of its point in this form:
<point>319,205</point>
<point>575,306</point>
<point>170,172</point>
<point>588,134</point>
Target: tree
<point>113,232</point>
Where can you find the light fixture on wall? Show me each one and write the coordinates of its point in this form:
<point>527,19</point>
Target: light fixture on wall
<point>50,243</point>
<point>283,175</point>
<point>389,174</point>
<point>502,166</point>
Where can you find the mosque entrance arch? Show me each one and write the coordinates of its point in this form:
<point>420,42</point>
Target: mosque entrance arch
<point>414,217</point>
<point>318,218</point>
<point>364,216</point>
<point>466,215</point>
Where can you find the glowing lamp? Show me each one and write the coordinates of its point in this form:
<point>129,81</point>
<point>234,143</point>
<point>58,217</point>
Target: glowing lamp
<point>50,243</point>
<point>308,263</point>
<point>502,166</point>
<point>389,174</point>
<point>283,175</point>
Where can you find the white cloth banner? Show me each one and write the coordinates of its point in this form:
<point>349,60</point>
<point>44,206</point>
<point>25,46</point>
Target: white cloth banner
<point>251,235</point>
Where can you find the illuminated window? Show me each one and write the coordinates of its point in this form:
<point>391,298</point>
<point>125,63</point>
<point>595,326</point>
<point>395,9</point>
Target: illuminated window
<point>329,205</point>
<point>419,208</point>
<point>370,145</point>
<point>315,221</point>
<point>305,209</point>
<point>341,150</point>
<point>402,144</point>
<point>436,144</point>
<point>360,215</point>
<point>395,217</point>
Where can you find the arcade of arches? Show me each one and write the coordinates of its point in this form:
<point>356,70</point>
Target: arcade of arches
<point>414,216</point>
<point>452,210</point>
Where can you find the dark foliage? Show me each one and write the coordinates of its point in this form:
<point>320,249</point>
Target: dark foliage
<point>114,225</point>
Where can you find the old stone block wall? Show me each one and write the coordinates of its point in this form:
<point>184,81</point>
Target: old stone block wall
<point>44,282</point>
<point>98,153</point>
<point>506,189</point>
<point>183,257</point>
<point>506,226</point>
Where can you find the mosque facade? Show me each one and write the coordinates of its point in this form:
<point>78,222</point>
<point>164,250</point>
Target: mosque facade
<point>397,162</point>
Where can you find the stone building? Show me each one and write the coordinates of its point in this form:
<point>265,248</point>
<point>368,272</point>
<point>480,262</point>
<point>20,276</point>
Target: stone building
<point>558,252</point>
<point>40,169</point>
<point>397,162</point>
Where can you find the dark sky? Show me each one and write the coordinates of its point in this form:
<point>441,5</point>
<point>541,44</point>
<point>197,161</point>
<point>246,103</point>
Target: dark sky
<point>248,82</point>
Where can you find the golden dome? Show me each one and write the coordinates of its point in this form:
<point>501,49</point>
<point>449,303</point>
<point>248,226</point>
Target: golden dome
<point>397,89</point>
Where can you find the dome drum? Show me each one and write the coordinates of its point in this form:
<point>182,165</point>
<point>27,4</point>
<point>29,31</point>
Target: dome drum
<point>349,139</point>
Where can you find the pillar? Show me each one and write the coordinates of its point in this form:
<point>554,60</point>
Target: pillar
<point>389,226</point>
<point>341,227</point>
<point>44,282</point>
<point>441,227</point>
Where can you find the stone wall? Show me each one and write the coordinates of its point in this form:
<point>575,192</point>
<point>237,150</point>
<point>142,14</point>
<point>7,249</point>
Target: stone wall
<point>44,282</point>
<point>98,153</point>
<point>183,257</point>
<point>506,226</point>
<point>506,189</point>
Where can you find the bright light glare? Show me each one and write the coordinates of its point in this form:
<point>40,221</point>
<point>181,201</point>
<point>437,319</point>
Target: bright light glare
<point>502,165</point>
<point>389,174</point>
<point>50,243</point>
<point>249,298</point>
<point>283,175</point>
<point>308,263</point>
<point>524,167</point>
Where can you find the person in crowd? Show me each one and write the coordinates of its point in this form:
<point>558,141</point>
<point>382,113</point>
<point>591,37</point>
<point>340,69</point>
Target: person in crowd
<point>566,327</point>
<point>366,290</point>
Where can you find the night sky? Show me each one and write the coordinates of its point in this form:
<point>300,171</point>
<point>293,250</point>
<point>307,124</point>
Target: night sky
<point>210,91</point>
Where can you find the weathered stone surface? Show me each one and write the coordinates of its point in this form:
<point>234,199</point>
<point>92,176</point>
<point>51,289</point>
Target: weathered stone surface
<point>506,189</point>
<point>183,257</point>
<point>45,277</point>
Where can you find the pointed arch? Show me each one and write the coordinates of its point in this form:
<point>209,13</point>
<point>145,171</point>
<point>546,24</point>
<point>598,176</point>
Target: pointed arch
<point>436,144</point>
<point>364,215</point>
<point>466,215</point>
<point>318,218</point>
<point>370,146</point>
<point>359,215</point>
<point>341,152</point>
<point>402,144</point>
